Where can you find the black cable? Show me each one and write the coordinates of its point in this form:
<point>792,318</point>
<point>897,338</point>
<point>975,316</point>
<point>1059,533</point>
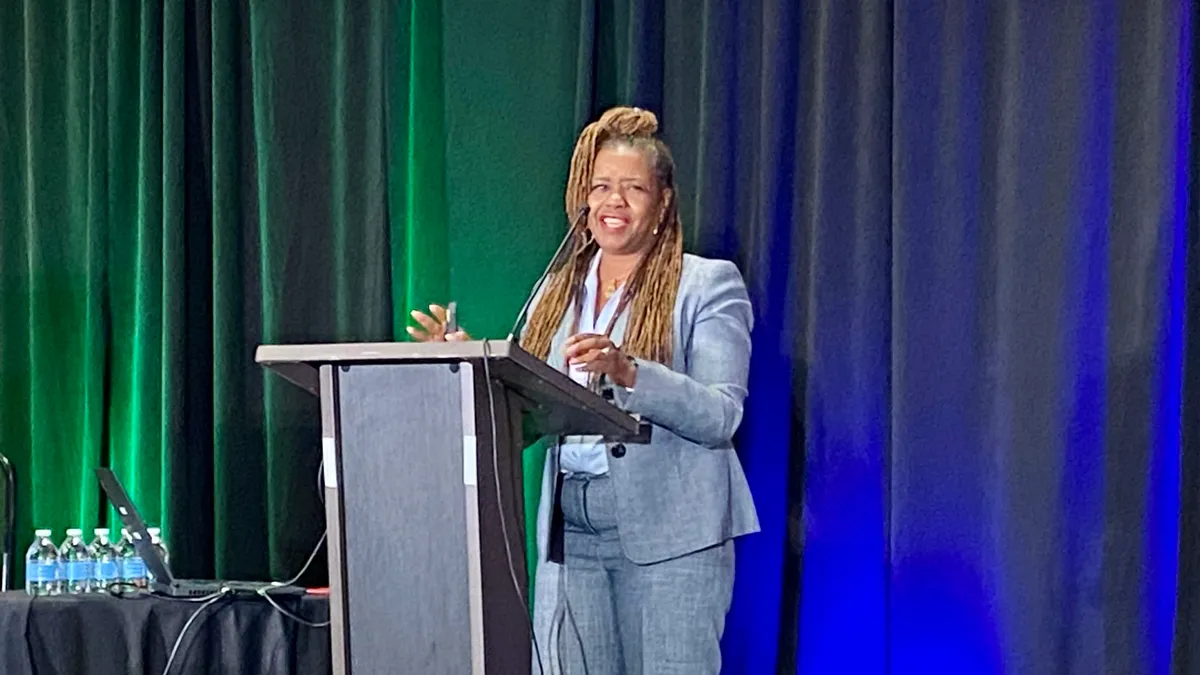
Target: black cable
<point>265,592</point>
<point>208,602</point>
<point>512,568</point>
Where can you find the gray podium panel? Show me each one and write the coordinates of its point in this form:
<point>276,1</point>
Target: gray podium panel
<point>406,591</point>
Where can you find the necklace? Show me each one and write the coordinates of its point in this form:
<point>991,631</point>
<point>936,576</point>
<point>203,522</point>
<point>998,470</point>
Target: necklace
<point>612,286</point>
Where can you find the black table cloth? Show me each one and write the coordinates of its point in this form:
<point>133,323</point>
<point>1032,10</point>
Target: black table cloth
<point>133,635</point>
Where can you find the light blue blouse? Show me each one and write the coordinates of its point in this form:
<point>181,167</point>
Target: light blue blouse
<point>587,454</point>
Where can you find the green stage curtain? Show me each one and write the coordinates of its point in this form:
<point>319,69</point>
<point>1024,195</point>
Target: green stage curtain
<point>183,181</point>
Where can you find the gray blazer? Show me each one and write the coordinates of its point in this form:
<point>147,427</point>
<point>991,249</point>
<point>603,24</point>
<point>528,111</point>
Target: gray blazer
<point>685,489</point>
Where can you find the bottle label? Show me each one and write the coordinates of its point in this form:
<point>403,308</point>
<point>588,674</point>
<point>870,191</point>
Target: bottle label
<point>135,568</point>
<point>106,570</point>
<point>39,572</point>
<point>79,570</point>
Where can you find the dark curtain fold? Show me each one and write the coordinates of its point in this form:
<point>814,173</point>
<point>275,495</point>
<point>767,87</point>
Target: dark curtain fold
<point>1187,620</point>
<point>300,250</point>
<point>1020,509</point>
<point>80,148</point>
<point>845,166</point>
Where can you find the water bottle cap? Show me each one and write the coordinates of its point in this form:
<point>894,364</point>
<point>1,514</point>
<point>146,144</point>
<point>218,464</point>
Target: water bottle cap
<point>101,531</point>
<point>41,534</point>
<point>75,532</point>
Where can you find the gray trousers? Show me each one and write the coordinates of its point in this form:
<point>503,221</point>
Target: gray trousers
<point>602,614</point>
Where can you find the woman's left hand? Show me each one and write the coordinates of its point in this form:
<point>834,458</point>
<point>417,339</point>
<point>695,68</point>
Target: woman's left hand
<point>598,354</point>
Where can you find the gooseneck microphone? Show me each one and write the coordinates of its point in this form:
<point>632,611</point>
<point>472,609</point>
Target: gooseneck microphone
<point>554,263</point>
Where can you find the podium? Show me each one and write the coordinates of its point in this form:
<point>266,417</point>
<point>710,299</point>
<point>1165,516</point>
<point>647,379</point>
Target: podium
<point>424,506</point>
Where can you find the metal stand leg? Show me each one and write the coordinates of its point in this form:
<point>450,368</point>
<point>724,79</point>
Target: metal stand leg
<point>10,523</point>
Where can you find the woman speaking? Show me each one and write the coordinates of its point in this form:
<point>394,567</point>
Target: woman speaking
<point>635,542</point>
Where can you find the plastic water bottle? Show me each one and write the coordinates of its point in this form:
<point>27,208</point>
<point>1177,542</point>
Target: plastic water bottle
<point>104,561</point>
<point>118,547</point>
<point>159,545</point>
<point>77,563</point>
<point>41,565</point>
<point>132,567</point>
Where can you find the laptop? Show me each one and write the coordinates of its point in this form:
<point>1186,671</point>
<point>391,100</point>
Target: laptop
<point>163,582</point>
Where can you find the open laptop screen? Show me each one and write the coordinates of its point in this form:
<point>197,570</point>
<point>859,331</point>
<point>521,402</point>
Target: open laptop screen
<point>137,527</point>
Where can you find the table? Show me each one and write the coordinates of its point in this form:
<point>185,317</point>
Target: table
<point>132,635</point>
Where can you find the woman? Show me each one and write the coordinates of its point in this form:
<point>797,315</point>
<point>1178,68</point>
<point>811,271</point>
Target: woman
<point>635,564</point>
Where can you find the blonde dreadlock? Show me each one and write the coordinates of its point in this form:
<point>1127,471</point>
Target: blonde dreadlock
<point>653,287</point>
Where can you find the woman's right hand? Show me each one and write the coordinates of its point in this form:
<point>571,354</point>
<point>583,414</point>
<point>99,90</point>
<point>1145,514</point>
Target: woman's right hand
<point>433,328</point>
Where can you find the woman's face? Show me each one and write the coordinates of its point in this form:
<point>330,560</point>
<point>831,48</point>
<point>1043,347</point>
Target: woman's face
<point>625,201</point>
